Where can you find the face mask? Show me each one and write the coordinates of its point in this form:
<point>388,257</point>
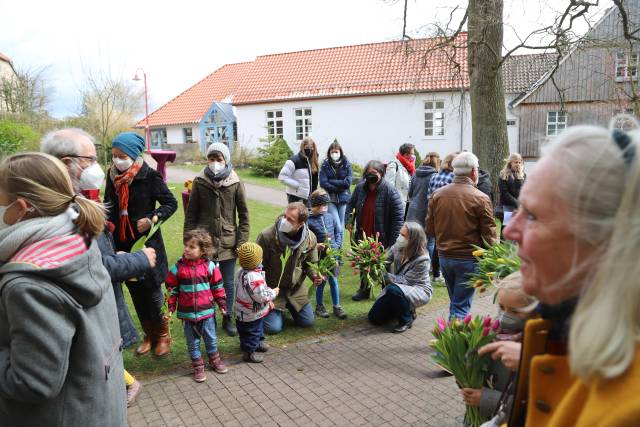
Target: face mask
<point>371,178</point>
<point>509,322</point>
<point>91,177</point>
<point>335,156</point>
<point>122,164</point>
<point>285,226</point>
<point>412,158</point>
<point>216,167</point>
<point>401,242</point>
<point>307,152</point>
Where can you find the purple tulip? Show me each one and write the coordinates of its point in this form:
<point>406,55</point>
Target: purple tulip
<point>485,331</point>
<point>495,325</point>
<point>467,319</point>
<point>486,322</point>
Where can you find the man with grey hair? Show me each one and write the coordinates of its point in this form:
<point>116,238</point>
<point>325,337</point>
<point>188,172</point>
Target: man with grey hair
<point>459,216</point>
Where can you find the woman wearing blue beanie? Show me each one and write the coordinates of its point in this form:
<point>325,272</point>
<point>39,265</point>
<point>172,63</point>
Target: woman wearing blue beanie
<point>132,192</point>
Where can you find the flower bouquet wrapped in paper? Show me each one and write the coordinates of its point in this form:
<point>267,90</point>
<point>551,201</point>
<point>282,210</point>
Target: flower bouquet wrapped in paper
<point>456,344</point>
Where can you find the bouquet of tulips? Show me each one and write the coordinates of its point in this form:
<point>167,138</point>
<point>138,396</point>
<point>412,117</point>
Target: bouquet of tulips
<point>494,263</point>
<point>456,344</point>
<point>327,264</point>
<point>368,257</point>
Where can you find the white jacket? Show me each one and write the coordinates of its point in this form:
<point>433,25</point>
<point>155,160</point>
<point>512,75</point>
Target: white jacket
<point>253,296</point>
<point>398,176</point>
<point>296,175</point>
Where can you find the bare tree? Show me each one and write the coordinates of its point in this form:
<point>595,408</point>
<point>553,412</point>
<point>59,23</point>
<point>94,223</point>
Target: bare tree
<point>27,92</point>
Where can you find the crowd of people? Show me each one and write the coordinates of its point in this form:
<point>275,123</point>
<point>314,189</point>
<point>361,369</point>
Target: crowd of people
<point>571,312</point>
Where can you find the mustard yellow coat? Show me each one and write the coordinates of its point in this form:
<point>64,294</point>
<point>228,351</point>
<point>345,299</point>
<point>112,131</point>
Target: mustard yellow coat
<point>554,398</point>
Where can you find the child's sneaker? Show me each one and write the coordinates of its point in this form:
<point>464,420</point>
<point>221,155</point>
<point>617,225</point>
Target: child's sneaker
<point>252,357</point>
<point>263,347</point>
<point>321,311</point>
<point>217,364</point>
<point>198,371</point>
<point>339,312</point>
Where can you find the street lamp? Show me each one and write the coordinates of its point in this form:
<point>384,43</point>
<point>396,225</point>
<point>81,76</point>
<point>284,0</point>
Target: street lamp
<point>147,132</point>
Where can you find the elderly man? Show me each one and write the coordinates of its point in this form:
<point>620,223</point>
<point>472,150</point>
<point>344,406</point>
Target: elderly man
<point>76,149</point>
<point>458,216</point>
<point>290,231</point>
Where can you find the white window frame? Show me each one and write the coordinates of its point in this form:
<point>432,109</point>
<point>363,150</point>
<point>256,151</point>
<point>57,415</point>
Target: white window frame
<point>434,120</point>
<point>303,122</point>
<point>184,135</point>
<point>273,130</point>
<point>627,66</point>
<point>554,119</point>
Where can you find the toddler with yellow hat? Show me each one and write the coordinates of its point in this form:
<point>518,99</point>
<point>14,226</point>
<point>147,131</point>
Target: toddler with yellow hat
<point>253,302</point>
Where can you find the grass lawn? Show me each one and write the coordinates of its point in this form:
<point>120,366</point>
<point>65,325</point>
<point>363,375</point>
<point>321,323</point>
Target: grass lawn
<point>247,176</point>
<point>262,215</point>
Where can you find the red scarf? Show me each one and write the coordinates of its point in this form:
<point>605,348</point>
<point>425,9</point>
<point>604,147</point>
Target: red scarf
<point>122,182</point>
<point>407,163</point>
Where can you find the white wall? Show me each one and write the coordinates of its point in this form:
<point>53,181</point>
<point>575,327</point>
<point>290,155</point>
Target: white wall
<point>175,135</point>
<point>368,127</point>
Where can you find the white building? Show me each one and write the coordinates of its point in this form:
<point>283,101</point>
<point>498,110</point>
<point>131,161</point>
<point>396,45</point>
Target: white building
<point>371,98</point>
<point>7,73</point>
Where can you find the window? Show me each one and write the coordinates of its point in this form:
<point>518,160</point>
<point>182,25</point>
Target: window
<point>626,66</point>
<point>159,136</point>
<point>275,128</point>
<point>434,118</point>
<point>303,123</point>
<point>187,135</point>
<point>512,122</point>
<point>556,121</point>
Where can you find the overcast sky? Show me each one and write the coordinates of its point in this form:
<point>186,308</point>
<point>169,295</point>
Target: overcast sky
<point>180,42</point>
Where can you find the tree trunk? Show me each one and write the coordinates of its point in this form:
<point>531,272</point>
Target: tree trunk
<point>488,114</point>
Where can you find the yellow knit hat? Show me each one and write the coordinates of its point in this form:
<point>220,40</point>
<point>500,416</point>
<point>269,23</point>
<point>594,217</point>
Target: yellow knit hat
<point>250,255</point>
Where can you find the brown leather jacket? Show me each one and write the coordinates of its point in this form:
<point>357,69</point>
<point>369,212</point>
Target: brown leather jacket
<point>459,215</point>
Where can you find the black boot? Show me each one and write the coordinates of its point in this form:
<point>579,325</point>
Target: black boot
<point>362,294</point>
<point>228,326</point>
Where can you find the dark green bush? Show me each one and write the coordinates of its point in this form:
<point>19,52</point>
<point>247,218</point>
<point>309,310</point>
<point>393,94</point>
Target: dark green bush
<point>418,158</point>
<point>271,157</point>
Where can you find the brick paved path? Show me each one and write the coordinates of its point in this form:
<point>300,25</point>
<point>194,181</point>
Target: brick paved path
<point>365,376</point>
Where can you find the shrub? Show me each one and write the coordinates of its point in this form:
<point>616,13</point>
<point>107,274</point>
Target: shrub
<point>16,137</point>
<point>418,158</point>
<point>357,172</point>
<point>271,157</point>
<point>242,156</point>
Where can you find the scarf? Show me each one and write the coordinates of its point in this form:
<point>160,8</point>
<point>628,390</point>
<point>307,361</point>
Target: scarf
<point>220,176</point>
<point>292,242</point>
<point>47,233</point>
<point>122,181</point>
<point>407,163</point>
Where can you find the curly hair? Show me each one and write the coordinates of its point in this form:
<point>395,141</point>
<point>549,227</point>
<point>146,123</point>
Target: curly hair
<point>203,239</point>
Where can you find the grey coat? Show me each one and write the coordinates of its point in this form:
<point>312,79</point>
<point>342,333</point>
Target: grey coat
<point>60,359</point>
<point>412,277</point>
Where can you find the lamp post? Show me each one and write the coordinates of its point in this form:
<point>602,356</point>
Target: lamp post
<point>147,132</point>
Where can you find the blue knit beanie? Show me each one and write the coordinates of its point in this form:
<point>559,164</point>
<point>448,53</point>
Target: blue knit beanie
<point>130,143</point>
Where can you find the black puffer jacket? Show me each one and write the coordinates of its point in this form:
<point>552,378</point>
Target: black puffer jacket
<point>146,190</point>
<point>484,183</point>
<point>510,191</point>
<point>418,193</point>
<point>389,211</point>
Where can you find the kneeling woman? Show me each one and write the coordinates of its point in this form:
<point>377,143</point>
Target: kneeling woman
<point>409,287</point>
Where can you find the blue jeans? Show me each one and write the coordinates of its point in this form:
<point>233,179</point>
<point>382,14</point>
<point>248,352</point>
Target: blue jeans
<point>338,211</point>
<point>456,275</point>
<point>392,305</point>
<point>251,333</point>
<point>207,330</point>
<point>228,271</point>
<point>274,321</point>
<point>334,289</point>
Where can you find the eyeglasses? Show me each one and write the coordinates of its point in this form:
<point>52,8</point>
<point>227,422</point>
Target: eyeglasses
<point>92,158</point>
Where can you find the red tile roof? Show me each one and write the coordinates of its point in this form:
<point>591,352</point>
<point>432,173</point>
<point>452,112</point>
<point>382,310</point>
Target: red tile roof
<point>368,69</point>
<point>192,104</point>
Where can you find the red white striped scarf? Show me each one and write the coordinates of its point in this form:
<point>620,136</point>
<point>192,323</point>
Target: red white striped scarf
<point>52,252</point>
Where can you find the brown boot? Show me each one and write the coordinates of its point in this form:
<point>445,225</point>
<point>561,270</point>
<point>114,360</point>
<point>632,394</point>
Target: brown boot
<point>145,347</point>
<point>217,364</point>
<point>163,337</point>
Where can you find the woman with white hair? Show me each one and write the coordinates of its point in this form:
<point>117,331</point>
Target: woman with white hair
<point>578,230</point>
<point>409,286</point>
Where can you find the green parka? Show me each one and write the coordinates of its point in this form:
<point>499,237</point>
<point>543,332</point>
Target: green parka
<point>215,207</point>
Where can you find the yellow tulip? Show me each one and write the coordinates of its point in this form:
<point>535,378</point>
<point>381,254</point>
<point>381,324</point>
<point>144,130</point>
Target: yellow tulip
<point>477,253</point>
<point>478,283</point>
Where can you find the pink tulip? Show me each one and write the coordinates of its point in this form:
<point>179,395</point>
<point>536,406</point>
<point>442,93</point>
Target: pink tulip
<point>486,322</point>
<point>495,325</point>
<point>485,331</point>
<point>441,324</point>
<point>467,319</point>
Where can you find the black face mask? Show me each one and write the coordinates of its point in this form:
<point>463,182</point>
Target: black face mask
<point>371,178</point>
<point>307,152</point>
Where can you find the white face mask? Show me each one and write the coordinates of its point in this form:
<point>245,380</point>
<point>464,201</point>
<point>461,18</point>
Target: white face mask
<point>401,242</point>
<point>216,167</point>
<point>335,156</point>
<point>92,177</point>
<point>122,164</point>
<point>285,226</point>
